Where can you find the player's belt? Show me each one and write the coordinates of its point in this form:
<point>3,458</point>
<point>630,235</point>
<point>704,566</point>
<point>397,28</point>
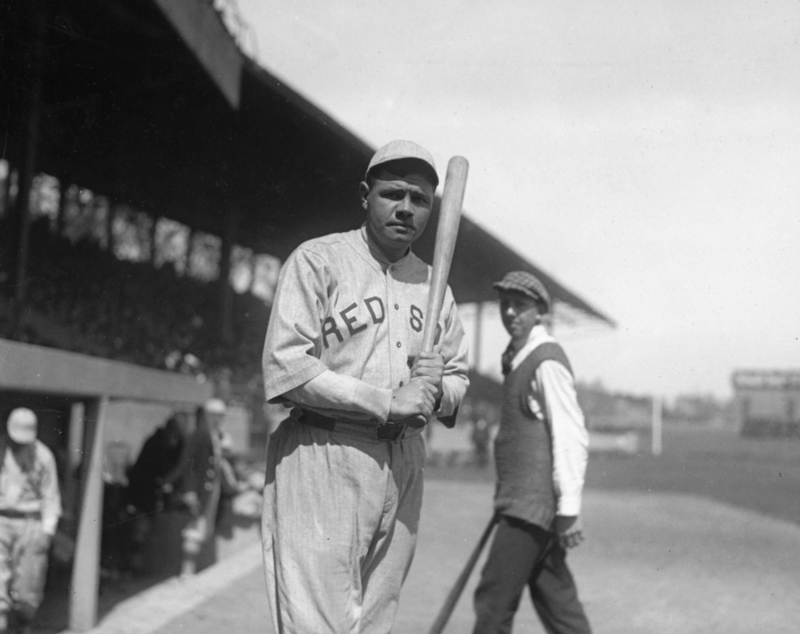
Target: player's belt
<point>381,431</point>
<point>27,515</point>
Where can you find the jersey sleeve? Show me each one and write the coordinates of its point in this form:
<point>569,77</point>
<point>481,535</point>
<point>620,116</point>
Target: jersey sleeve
<point>51,497</point>
<point>294,340</point>
<point>454,349</point>
<point>337,395</point>
<point>570,438</point>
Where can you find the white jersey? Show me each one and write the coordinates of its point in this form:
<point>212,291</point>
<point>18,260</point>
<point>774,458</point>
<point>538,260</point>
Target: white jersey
<point>342,308</point>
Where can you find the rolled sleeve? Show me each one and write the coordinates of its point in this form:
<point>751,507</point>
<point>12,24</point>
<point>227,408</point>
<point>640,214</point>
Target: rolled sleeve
<point>51,497</point>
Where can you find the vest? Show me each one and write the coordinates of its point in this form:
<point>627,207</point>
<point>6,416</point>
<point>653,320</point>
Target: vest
<point>523,447</point>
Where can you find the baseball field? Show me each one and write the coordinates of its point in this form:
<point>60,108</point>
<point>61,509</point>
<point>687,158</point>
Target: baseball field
<point>704,538</point>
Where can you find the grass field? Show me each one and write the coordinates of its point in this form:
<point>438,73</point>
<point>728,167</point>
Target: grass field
<point>757,474</point>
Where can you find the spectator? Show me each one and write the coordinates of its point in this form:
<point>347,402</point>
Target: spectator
<point>198,481</point>
<point>159,455</point>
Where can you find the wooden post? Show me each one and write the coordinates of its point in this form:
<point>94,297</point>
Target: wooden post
<point>32,112</point>
<point>478,337</point>
<point>110,210</point>
<point>74,452</point>
<point>63,199</point>
<point>225,288</point>
<point>657,425</point>
<point>86,569</point>
<point>153,232</point>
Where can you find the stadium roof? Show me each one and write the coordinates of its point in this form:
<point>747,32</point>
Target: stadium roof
<point>151,103</point>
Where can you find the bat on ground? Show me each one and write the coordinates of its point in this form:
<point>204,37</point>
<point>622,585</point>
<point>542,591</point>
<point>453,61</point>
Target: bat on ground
<point>446,233</point>
<point>461,582</point>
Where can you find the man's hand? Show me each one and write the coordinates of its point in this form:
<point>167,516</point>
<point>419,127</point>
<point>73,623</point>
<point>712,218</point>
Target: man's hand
<point>429,367</point>
<point>416,398</point>
<point>569,530</point>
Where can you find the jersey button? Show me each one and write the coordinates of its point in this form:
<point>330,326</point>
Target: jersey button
<point>401,384</point>
<point>397,306</point>
<point>399,344</point>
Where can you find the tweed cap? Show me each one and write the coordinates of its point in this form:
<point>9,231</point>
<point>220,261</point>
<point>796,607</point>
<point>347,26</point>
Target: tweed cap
<point>526,283</point>
<point>22,426</point>
<point>398,150</point>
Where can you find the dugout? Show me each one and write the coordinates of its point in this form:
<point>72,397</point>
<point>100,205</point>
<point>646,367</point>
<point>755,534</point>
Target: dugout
<point>72,395</point>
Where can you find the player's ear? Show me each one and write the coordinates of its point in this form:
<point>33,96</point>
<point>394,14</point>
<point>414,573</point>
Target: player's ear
<point>363,190</point>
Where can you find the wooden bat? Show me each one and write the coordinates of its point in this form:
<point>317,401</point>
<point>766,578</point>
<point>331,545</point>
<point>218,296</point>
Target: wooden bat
<point>446,233</point>
<point>461,582</point>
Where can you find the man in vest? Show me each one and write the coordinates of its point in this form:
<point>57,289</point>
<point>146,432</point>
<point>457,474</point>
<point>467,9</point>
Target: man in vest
<point>540,454</point>
<point>30,506</point>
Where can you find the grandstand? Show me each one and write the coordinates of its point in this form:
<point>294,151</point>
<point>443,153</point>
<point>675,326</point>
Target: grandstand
<point>152,177</point>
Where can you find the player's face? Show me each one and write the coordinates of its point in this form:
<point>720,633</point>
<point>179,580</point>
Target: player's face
<point>398,206</point>
<point>519,313</point>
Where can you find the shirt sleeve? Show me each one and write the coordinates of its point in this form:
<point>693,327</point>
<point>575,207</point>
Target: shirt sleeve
<point>570,438</point>
<point>293,342</point>
<point>454,349</point>
<point>293,346</point>
<point>333,394</point>
<point>51,497</point>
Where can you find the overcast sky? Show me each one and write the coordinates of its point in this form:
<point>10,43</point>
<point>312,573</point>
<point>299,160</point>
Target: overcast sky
<point>645,153</point>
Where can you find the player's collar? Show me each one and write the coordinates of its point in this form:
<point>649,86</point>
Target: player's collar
<point>378,255</point>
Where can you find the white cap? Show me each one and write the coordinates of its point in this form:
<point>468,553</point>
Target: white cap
<point>22,426</point>
<point>215,406</point>
<point>400,150</point>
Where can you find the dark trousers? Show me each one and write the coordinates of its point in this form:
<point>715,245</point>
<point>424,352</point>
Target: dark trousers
<point>524,554</point>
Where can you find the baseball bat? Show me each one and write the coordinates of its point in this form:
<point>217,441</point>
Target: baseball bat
<point>455,183</point>
<point>461,582</point>
<point>446,233</point>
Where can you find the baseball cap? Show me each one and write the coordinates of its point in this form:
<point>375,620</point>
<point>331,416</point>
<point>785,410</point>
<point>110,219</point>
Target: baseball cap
<point>525,283</point>
<point>399,150</point>
<point>22,426</point>
<point>215,406</point>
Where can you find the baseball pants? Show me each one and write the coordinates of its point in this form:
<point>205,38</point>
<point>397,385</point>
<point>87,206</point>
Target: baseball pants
<point>523,554</point>
<point>23,566</point>
<point>339,527</point>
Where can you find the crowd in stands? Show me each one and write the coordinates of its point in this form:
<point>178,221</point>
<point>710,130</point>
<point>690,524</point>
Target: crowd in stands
<point>81,297</point>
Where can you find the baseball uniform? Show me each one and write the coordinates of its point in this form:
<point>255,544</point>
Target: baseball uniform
<point>30,507</point>
<point>341,504</point>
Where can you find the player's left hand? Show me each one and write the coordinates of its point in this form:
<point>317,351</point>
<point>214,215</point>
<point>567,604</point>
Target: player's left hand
<point>429,367</point>
<point>569,530</point>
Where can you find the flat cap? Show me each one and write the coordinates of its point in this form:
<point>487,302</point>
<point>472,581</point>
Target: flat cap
<point>525,283</point>
<point>399,150</point>
<point>22,426</point>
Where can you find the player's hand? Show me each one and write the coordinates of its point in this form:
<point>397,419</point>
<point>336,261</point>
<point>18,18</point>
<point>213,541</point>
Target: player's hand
<point>569,530</point>
<point>429,367</point>
<point>415,398</point>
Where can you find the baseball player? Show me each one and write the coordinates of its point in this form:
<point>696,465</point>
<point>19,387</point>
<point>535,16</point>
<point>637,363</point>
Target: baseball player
<point>344,471</point>
<point>30,507</point>
<point>540,455</point>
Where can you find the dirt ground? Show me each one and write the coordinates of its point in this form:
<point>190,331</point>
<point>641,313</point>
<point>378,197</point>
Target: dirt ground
<point>704,538</point>
<point>652,564</point>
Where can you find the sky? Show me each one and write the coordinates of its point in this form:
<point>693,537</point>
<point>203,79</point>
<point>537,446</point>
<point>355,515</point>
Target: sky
<point>646,153</point>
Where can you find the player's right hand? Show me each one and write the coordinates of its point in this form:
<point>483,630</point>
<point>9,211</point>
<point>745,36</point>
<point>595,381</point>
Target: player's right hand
<point>416,398</point>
